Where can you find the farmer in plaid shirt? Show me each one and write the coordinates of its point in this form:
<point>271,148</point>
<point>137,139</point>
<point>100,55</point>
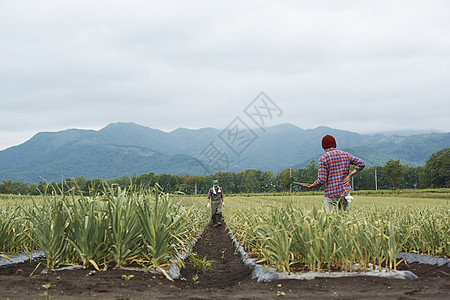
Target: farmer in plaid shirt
<point>334,167</point>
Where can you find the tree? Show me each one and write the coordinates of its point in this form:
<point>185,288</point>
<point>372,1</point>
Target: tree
<point>20,188</point>
<point>146,180</point>
<point>33,190</point>
<point>285,179</point>
<point>267,182</point>
<point>7,187</point>
<point>81,184</point>
<point>436,172</point>
<point>188,183</point>
<point>393,169</point>
<point>366,180</point>
<point>169,183</point>
<point>411,178</point>
<point>310,172</point>
<point>251,182</point>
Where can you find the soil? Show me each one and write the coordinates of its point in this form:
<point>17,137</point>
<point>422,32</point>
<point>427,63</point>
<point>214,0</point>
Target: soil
<point>228,279</point>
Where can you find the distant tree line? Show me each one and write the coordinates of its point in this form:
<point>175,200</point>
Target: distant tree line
<point>393,175</point>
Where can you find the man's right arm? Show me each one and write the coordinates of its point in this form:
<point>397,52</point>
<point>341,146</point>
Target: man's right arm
<point>322,176</point>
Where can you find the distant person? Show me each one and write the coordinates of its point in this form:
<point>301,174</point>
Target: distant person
<point>215,196</point>
<point>334,168</point>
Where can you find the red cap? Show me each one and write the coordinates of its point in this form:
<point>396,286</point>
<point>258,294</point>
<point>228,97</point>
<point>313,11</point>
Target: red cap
<point>328,142</point>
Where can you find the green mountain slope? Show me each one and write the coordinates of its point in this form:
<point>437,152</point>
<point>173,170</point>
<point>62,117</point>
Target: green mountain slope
<point>127,148</point>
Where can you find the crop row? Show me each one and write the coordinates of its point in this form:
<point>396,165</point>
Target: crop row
<point>291,236</point>
<point>121,227</point>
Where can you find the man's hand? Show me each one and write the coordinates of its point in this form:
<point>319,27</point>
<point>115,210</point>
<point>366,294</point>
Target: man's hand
<point>309,186</point>
<point>223,203</point>
<point>346,180</point>
<point>208,205</point>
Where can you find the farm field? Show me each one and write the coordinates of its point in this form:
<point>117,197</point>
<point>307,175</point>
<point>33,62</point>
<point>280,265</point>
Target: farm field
<point>289,233</point>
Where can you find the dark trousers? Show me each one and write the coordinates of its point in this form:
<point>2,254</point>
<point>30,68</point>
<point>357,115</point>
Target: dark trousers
<point>343,203</point>
<point>216,218</point>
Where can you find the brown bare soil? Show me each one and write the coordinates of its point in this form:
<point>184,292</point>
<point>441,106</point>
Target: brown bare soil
<point>228,279</point>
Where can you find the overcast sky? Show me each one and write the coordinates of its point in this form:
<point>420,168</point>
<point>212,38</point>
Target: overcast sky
<point>363,66</point>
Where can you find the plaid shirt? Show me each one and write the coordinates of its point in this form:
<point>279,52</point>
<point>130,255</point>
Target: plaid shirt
<point>334,166</point>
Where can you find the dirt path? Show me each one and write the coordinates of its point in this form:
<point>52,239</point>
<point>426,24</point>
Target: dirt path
<point>228,279</point>
<point>227,269</point>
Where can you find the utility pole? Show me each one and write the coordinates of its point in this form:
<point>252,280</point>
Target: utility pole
<point>195,189</point>
<point>290,179</point>
<point>376,183</point>
<point>62,184</point>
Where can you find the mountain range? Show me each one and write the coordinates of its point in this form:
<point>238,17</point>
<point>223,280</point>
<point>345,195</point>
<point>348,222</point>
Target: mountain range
<point>127,149</point>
